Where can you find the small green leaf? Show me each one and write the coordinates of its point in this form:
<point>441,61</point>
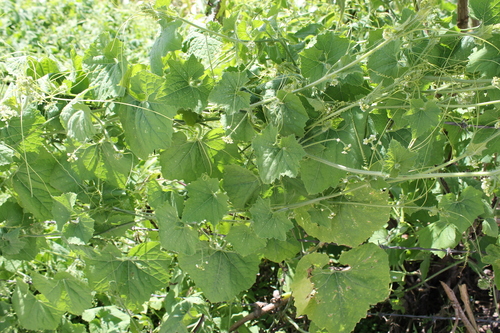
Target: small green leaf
<point>168,41</point>
<point>10,243</point>
<point>184,88</point>
<point>175,235</point>
<point>439,235</point>
<point>244,240</point>
<point>242,185</point>
<point>34,313</point>
<point>350,290</point>
<point>6,155</point>
<point>221,275</point>
<point>269,224</point>
<point>275,157</point>
<point>423,117</point>
<point>228,92</point>
<point>205,202</point>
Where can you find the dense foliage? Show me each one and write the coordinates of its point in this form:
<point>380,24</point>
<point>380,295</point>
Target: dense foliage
<point>165,165</point>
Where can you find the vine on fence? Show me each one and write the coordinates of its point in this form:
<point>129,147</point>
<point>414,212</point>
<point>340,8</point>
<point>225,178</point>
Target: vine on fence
<point>334,146</point>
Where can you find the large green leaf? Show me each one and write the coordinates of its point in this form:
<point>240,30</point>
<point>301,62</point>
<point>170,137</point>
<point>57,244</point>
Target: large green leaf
<point>107,66</point>
<point>486,60</point>
<point>34,312</point>
<point>31,183</point>
<point>461,211</point>
<point>168,41</point>
<point>242,185</point>
<point>188,160</point>
<point>277,157</point>
<point>147,126</point>
<point>65,291</point>
<point>289,115</point>
<point>184,88</point>
<point>384,64</point>
<point>175,235</point>
<point>423,117</point>
<point>79,231</point>
<point>269,224</point>
<point>486,11</point>
<point>244,240</point>
<point>77,119</point>
<point>342,295</point>
<point>205,202</point>
<point>229,93</point>
<point>439,235</point>
<point>350,220</point>
<point>221,275</point>
<point>318,176</point>
<point>133,277</point>
<point>23,132</point>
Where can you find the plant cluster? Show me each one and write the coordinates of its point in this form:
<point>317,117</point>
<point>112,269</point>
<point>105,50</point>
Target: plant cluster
<point>164,182</point>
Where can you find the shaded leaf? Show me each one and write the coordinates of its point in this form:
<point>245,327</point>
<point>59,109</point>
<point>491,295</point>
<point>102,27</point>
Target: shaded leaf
<point>242,185</point>
<point>205,201</point>
<point>269,224</point>
<point>168,41</point>
<point>244,240</point>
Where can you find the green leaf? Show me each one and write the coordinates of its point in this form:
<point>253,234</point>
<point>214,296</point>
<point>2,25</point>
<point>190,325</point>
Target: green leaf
<point>65,291</point>
<point>486,11</point>
<point>10,243</point>
<point>205,202</point>
<point>461,211</point>
<point>6,154</point>
<point>493,258</point>
<point>486,60</point>
<point>146,87</point>
<point>242,185</point>
<point>168,41</point>
<point>301,285</point>
<point>350,220</point>
<point>383,64</point>
<point>175,235</point>
<point>147,126</point>
<point>184,88</point>
<point>228,92</point>
<point>107,66</point>
<point>275,157</point>
<point>269,224</point>
<point>244,240</point>
<point>77,119</point>
<point>34,313</point>
<point>350,290</point>
<point>399,159</point>
<point>63,208</point>
<point>31,183</point>
<point>423,117</point>
<point>289,115</point>
<point>439,235</point>
<point>23,133</point>
<point>107,319</point>
<point>134,277</point>
<point>221,275</point>
<point>79,231</point>
<point>319,60</point>
<point>318,176</point>
<point>187,160</point>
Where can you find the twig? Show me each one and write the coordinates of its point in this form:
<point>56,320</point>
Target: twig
<point>458,309</point>
<point>261,309</point>
<point>464,295</point>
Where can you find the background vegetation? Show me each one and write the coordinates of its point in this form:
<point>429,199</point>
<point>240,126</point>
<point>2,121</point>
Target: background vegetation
<point>284,166</point>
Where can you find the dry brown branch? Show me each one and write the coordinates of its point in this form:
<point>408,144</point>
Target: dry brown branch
<point>260,309</point>
<point>458,309</point>
<point>464,295</point>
